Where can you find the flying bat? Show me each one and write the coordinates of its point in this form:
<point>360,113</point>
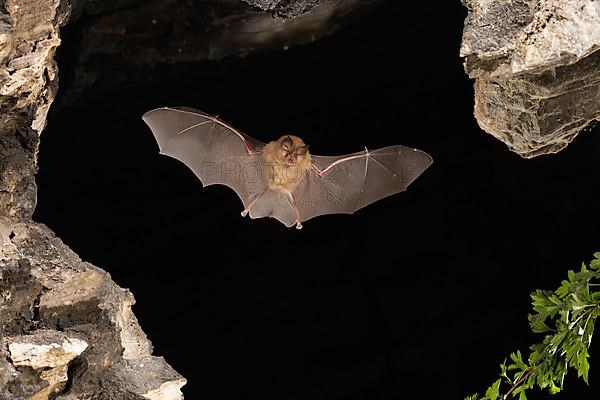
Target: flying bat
<point>282,179</point>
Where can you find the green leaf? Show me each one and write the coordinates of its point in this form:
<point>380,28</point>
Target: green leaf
<point>518,391</point>
<point>553,388</point>
<point>564,289</point>
<point>538,323</point>
<point>516,357</point>
<point>503,369</point>
<point>555,299</point>
<point>494,390</point>
<point>584,365</point>
<point>522,396</point>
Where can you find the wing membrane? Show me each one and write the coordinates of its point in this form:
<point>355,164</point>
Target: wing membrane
<point>345,184</point>
<point>216,152</point>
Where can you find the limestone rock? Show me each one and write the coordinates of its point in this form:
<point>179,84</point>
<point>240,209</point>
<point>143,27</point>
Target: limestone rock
<point>48,350</point>
<point>63,323</point>
<point>28,40</point>
<point>67,326</point>
<point>536,65</point>
<point>44,349</point>
<point>148,377</point>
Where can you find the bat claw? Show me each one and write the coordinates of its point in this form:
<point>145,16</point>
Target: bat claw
<point>244,213</point>
<point>298,225</point>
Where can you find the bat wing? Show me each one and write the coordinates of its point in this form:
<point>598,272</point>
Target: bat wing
<point>345,184</point>
<point>215,151</point>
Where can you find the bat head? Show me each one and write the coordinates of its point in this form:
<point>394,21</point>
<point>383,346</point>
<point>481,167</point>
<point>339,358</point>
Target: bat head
<point>293,150</point>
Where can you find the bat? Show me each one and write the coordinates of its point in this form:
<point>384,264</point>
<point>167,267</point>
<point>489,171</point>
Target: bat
<point>282,179</point>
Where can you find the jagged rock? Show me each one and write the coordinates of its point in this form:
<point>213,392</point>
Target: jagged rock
<point>280,8</point>
<point>54,306</point>
<point>148,377</point>
<point>64,324</point>
<point>285,8</point>
<point>48,350</point>
<point>28,40</point>
<point>44,349</point>
<point>536,65</point>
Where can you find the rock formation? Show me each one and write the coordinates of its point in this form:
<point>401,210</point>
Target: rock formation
<point>49,351</point>
<point>285,8</point>
<point>536,65</point>
<point>67,330</point>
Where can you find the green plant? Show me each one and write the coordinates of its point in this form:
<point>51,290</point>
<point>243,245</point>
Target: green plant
<point>567,317</point>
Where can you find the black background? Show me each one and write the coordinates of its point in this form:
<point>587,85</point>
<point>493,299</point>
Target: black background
<point>420,295</point>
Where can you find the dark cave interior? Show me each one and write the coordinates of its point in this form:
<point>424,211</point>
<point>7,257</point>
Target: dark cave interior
<point>421,294</point>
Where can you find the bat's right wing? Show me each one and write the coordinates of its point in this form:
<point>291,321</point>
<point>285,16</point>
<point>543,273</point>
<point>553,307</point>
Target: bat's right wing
<point>345,184</point>
<point>215,151</point>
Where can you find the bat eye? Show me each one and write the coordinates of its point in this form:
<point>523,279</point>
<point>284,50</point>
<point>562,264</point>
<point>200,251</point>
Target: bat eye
<point>286,143</point>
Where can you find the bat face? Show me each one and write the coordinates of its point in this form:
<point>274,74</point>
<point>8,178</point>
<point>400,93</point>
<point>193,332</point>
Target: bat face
<point>281,179</point>
<point>292,150</point>
<point>287,160</point>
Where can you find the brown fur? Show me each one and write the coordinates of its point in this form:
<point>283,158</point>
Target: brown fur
<point>287,167</point>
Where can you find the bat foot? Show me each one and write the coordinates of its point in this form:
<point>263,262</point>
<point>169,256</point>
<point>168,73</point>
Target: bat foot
<point>244,213</point>
<point>298,225</point>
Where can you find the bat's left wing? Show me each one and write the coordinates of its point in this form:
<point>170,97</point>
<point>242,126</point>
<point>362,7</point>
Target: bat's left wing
<point>215,151</point>
<point>345,184</point>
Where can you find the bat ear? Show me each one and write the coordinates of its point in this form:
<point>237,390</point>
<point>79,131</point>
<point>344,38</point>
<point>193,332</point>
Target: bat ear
<point>287,143</point>
<point>303,149</point>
